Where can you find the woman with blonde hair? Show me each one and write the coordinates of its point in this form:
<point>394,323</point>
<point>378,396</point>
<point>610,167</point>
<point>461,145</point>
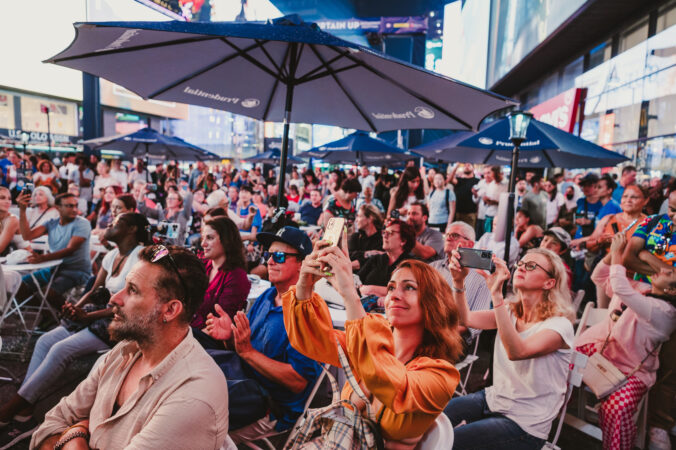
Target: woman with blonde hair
<point>403,363</point>
<point>531,357</point>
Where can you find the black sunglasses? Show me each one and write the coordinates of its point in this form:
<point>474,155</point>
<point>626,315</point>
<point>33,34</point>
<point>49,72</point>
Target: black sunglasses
<point>279,257</point>
<point>160,252</point>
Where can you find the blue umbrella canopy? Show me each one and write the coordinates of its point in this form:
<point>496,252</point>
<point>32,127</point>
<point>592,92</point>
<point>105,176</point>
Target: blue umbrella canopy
<point>283,70</point>
<point>545,146</point>
<point>272,157</point>
<point>149,143</point>
<point>359,148</point>
<point>249,68</point>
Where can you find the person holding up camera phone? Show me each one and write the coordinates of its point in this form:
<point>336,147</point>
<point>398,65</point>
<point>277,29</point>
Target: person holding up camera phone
<point>404,363</point>
<point>531,357</point>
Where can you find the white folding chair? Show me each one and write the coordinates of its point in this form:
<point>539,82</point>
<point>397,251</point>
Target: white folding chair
<point>468,362</point>
<point>265,440</point>
<point>439,435</point>
<point>577,364</point>
<point>577,300</point>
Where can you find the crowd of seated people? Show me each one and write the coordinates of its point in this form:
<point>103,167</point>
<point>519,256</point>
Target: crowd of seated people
<point>191,358</point>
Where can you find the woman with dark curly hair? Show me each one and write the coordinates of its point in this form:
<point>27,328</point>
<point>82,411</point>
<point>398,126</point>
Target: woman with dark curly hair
<point>225,264</point>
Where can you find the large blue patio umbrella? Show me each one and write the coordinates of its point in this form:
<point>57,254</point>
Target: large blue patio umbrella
<point>545,146</point>
<point>360,148</point>
<point>272,157</point>
<point>285,70</point>
<point>149,143</point>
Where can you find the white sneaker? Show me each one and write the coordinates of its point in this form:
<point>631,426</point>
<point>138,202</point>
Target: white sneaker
<point>659,439</point>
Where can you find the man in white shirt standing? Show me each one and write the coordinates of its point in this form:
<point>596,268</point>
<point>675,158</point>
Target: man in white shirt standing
<point>491,198</point>
<point>366,179</point>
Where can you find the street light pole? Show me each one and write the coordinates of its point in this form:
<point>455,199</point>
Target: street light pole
<point>518,125</point>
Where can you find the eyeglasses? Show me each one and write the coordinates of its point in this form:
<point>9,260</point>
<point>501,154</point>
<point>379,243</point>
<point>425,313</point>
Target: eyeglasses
<point>388,233</point>
<point>532,265</point>
<point>279,257</point>
<point>455,237</point>
<point>160,252</point>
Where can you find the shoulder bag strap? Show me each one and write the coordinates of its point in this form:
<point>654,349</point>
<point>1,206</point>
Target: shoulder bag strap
<point>353,381</point>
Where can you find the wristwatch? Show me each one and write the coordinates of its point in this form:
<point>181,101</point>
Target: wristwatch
<point>455,289</point>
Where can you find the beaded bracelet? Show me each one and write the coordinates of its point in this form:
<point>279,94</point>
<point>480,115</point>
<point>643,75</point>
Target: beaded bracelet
<point>59,445</point>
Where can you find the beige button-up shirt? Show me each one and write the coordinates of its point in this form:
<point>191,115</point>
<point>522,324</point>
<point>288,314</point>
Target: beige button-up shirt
<point>181,404</point>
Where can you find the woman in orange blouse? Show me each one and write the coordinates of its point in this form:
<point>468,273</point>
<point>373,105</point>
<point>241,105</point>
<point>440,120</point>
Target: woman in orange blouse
<point>403,363</point>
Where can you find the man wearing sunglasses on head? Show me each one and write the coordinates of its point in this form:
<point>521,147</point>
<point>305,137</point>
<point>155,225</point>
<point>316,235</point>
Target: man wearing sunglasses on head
<point>259,338</point>
<point>157,388</point>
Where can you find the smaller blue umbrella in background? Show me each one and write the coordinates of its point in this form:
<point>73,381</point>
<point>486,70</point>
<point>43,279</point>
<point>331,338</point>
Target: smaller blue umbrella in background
<point>149,143</point>
<point>273,157</point>
<point>545,146</point>
<point>360,148</point>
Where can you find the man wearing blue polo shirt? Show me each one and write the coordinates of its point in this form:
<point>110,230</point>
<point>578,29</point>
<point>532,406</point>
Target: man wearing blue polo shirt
<point>260,339</point>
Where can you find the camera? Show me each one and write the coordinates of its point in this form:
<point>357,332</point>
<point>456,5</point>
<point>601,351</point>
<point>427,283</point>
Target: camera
<point>168,230</point>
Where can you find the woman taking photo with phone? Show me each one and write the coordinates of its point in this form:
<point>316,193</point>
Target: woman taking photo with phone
<point>531,357</point>
<point>403,363</point>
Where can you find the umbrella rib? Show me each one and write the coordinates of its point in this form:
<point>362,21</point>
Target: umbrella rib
<point>544,152</point>
<point>331,72</point>
<point>401,86</point>
<point>196,73</point>
<point>312,72</point>
<point>278,79</point>
<point>267,54</point>
<point>131,49</point>
<point>248,57</point>
<point>319,75</point>
<point>490,154</point>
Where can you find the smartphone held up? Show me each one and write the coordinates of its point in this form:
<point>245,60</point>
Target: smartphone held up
<point>477,259</point>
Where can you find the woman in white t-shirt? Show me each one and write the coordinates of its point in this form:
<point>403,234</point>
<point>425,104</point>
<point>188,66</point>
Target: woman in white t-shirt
<point>86,334</point>
<point>531,357</point>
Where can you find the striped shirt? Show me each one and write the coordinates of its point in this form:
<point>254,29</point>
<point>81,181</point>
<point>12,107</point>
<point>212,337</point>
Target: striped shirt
<point>476,291</point>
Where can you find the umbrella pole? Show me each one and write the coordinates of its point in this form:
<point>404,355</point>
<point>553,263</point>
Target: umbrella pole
<point>287,119</point>
<point>510,201</point>
<point>146,167</point>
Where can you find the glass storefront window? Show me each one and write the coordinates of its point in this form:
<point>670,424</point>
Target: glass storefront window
<point>666,16</point>
<point>599,54</point>
<point>633,36</point>
<point>662,116</point>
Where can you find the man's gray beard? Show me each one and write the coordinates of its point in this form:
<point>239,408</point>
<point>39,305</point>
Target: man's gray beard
<point>139,330</point>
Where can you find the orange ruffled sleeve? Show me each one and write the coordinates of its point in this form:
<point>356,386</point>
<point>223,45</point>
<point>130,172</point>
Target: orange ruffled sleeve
<point>412,394</point>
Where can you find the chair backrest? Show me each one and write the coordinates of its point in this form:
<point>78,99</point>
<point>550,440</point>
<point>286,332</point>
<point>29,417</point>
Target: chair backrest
<point>591,316</point>
<point>439,435</point>
<point>577,300</point>
<point>577,364</point>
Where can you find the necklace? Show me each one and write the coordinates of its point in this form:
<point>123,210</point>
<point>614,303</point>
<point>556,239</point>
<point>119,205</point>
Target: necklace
<point>119,263</point>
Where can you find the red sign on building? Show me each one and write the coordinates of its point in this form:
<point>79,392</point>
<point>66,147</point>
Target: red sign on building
<point>559,111</point>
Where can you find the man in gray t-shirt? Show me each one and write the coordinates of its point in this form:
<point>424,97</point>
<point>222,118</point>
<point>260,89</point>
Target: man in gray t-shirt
<point>68,238</point>
<point>429,244</point>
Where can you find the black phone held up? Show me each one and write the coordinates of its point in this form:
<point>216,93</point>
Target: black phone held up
<point>476,258</point>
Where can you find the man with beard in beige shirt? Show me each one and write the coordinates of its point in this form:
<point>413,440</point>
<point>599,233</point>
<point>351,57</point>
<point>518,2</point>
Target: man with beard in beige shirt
<point>157,388</point>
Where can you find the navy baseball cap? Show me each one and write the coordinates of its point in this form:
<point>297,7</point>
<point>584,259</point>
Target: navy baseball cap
<point>289,235</point>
